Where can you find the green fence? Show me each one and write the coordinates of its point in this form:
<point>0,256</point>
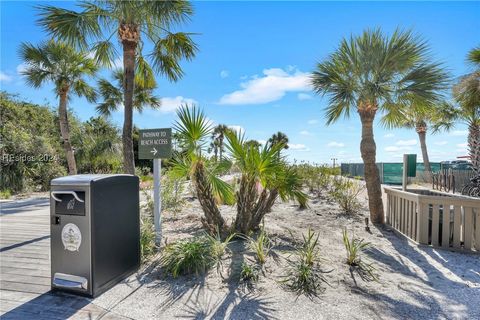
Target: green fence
<point>390,172</point>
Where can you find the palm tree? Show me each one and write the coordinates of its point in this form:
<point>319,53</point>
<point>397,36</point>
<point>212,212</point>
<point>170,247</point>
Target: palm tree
<point>192,131</point>
<point>113,94</point>
<point>370,73</point>
<point>264,168</point>
<point>134,23</point>
<point>253,143</point>
<point>65,68</point>
<point>420,118</point>
<point>467,95</point>
<point>218,136</point>
<point>279,137</point>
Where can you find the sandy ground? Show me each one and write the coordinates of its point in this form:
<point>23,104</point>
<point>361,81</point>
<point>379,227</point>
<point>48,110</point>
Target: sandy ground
<point>415,282</point>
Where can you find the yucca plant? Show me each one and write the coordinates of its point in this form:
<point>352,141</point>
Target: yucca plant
<point>249,273</point>
<point>264,177</point>
<point>260,245</point>
<point>355,247</point>
<point>218,247</point>
<point>192,131</point>
<point>187,256</point>
<point>304,275</point>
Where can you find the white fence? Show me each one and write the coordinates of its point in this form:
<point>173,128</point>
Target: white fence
<point>434,218</point>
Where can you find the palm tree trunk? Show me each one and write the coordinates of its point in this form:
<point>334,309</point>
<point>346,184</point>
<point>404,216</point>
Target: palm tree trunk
<point>474,145</point>
<point>372,179</point>
<point>129,43</point>
<point>65,131</point>
<point>212,221</point>
<point>421,129</point>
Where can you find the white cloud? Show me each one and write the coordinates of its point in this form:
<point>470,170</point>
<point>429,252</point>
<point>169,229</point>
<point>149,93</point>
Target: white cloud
<point>389,135</point>
<point>459,133</point>
<point>462,145</point>
<point>5,77</point>
<point>312,121</point>
<point>224,74</point>
<point>237,128</point>
<point>298,147</point>
<point>262,142</point>
<point>272,86</point>
<point>397,149</point>
<point>21,67</point>
<point>305,133</point>
<point>304,96</point>
<point>171,104</point>
<point>411,142</point>
<point>335,144</point>
<point>441,143</point>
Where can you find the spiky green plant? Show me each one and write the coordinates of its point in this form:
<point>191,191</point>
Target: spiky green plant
<point>355,247</point>
<point>265,176</point>
<point>249,273</point>
<point>192,131</point>
<point>147,237</point>
<point>304,275</point>
<point>260,245</point>
<point>187,256</point>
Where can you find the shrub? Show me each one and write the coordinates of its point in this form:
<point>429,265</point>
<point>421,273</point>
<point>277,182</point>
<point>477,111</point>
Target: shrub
<point>354,248</point>
<point>261,246</point>
<point>172,194</point>
<point>249,273</point>
<point>345,192</point>
<point>147,237</point>
<point>304,275</point>
<point>5,194</point>
<point>187,256</point>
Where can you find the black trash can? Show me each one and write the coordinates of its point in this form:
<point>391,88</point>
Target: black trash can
<point>95,232</point>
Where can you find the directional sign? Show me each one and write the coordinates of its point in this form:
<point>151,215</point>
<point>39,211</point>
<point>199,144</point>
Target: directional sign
<point>155,144</point>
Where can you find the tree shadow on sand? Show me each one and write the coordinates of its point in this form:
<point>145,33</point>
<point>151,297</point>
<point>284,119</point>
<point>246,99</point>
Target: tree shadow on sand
<point>434,279</point>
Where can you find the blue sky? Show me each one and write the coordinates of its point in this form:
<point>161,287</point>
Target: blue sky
<point>253,64</point>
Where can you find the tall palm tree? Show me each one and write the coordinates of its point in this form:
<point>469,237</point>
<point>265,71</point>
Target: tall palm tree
<point>466,92</point>
<point>277,138</point>
<point>113,93</point>
<point>218,136</point>
<point>134,23</point>
<point>374,73</point>
<point>66,69</point>
<point>420,118</point>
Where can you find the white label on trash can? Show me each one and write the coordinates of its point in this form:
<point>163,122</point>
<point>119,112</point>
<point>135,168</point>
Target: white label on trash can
<point>71,237</point>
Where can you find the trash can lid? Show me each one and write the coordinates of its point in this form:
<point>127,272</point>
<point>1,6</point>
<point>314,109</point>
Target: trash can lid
<point>84,179</point>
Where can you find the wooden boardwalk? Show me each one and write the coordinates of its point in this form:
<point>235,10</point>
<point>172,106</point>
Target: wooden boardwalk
<point>25,267</point>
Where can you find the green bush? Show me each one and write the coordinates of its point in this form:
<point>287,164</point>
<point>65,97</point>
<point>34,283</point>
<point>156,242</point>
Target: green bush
<point>345,192</point>
<point>249,273</point>
<point>172,194</point>
<point>5,194</point>
<point>304,275</point>
<point>187,256</point>
<point>261,246</point>
<point>316,177</point>
<point>147,237</point>
<point>355,247</point>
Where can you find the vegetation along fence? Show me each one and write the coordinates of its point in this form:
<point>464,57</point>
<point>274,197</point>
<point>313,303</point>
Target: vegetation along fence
<point>390,173</point>
<point>434,218</point>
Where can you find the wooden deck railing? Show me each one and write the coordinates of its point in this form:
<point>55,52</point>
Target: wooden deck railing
<point>435,218</point>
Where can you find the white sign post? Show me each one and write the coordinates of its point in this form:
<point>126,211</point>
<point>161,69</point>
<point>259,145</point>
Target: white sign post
<point>157,200</point>
<point>156,144</point>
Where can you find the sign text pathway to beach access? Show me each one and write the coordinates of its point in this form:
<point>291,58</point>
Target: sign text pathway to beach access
<point>155,143</point>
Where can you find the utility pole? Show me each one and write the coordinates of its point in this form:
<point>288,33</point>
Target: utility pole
<point>334,161</point>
